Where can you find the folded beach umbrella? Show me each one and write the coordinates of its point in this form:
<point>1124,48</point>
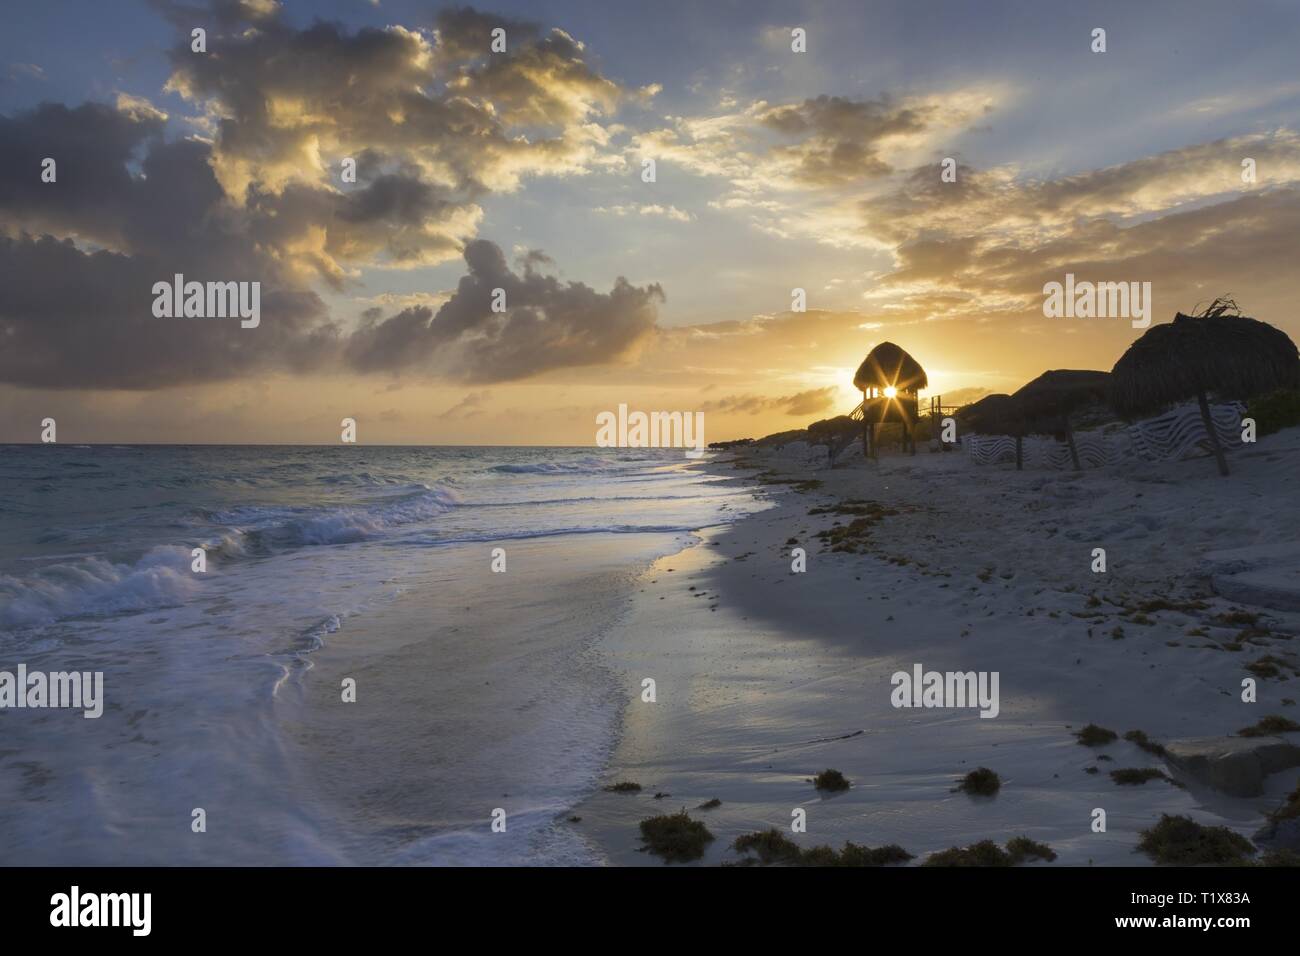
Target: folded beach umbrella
<point>1218,351</point>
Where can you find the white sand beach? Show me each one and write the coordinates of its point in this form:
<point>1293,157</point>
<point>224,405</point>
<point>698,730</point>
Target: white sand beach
<point>765,677</point>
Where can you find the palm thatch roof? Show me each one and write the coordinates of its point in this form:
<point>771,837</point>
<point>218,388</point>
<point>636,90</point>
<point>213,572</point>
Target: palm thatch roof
<point>993,415</point>
<point>1233,356</point>
<point>1046,402</point>
<point>887,365</point>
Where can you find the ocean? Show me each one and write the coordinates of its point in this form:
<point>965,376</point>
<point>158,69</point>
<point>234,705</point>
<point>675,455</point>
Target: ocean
<point>226,735</point>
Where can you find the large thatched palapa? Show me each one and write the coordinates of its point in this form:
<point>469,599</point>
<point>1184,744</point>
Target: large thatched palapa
<point>1217,352</point>
<point>889,380</point>
<point>1046,403</point>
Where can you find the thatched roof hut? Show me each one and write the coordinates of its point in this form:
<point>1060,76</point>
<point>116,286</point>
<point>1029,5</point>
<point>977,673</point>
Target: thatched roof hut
<point>1216,352</point>
<point>1053,396</point>
<point>992,415</point>
<point>888,366</point>
<point>1048,401</point>
<point>1229,355</point>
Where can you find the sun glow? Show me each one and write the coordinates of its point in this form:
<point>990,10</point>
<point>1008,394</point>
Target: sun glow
<point>890,391</point>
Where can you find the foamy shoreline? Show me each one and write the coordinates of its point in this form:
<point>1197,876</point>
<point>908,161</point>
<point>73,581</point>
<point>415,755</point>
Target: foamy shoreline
<point>772,676</point>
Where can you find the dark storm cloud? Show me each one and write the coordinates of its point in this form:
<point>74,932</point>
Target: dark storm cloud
<point>72,319</point>
<point>77,311</point>
<point>92,146</point>
<point>548,324</point>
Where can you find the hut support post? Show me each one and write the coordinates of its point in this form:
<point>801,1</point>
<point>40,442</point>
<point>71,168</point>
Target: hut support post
<point>866,428</point>
<point>1209,430</point>
<point>1074,451</point>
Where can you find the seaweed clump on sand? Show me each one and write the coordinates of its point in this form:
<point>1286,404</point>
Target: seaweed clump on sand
<point>773,846</point>
<point>623,786</point>
<point>1140,739</point>
<point>675,837</point>
<point>1269,726</point>
<point>987,853</point>
<point>855,536</point>
<point>1136,776</point>
<point>831,780</point>
<point>1182,841</point>
<point>982,782</point>
<point>1094,736</point>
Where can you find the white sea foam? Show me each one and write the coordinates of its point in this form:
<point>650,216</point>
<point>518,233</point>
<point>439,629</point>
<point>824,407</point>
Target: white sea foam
<point>96,586</point>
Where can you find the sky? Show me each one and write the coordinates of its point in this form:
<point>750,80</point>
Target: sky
<point>477,170</point>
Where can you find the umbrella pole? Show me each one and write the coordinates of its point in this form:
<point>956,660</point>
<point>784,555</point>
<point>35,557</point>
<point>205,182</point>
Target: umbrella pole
<point>1074,451</point>
<point>1209,430</point>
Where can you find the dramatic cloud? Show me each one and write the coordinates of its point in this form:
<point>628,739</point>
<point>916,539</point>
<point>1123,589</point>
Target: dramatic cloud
<point>131,210</point>
<point>1183,220</point>
<point>839,138</point>
<point>546,324</point>
<point>810,402</point>
<point>74,319</point>
<point>798,169</point>
<point>288,105</point>
<point>432,120</point>
<point>1003,204</point>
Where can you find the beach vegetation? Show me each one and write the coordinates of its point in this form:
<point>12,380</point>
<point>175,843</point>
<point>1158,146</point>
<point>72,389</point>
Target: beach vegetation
<point>774,847</point>
<point>1022,848</point>
<point>1181,841</point>
<point>987,853</point>
<point>770,846</point>
<point>1237,618</point>
<point>675,836</point>
<point>1290,808</point>
<point>1269,726</point>
<point>981,782</point>
<point>1094,736</point>
<point>1275,411</point>
<point>1264,667</point>
<point>1136,776</point>
<point>831,780</point>
<point>1140,738</point>
<point>1280,857</point>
